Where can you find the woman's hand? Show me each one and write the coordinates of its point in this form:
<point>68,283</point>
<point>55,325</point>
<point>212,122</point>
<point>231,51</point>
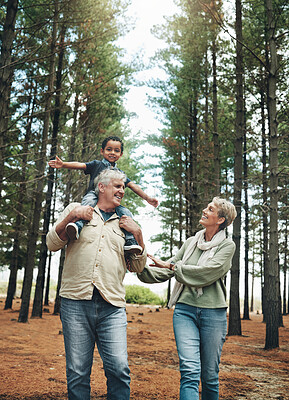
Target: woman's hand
<point>159,263</point>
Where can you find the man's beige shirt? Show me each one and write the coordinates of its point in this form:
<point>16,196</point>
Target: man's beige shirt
<point>95,259</point>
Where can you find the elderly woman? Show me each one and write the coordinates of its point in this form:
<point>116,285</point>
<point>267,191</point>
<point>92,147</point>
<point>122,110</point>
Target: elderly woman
<point>200,323</point>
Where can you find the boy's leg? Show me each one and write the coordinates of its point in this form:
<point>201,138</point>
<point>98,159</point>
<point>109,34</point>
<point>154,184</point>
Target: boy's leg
<point>73,229</point>
<point>131,246</point>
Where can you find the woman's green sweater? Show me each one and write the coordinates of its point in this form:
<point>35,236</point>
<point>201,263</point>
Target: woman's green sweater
<point>209,277</point>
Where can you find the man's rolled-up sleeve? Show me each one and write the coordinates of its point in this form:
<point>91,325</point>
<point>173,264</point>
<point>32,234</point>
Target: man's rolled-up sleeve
<point>137,263</point>
<point>53,241</point>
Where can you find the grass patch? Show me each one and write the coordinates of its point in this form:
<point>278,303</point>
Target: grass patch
<point>141,295</point>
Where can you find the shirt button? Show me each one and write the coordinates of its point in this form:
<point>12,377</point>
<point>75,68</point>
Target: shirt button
<point>102,236</point>
<point>99,250</point>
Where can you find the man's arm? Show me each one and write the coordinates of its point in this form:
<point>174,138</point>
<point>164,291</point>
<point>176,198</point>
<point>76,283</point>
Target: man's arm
<point>135,263</point>
<point>58,163</point>
<point>135,188</point>
<point>56,238</point>
<point>79,212</point>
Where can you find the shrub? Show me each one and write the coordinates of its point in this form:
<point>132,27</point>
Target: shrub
<point>141,295</point>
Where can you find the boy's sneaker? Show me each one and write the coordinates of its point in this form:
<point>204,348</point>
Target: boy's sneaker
<point>132,249</point>
<point>72,231</point>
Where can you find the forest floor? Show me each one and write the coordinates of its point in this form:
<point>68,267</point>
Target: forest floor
<point>33,361</point>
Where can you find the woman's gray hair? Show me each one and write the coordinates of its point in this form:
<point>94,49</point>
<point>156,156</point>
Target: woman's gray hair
<point>106,176</point>
<point>225,209</point>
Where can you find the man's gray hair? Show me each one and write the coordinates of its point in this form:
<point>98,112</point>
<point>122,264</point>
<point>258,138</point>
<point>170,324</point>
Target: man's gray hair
<point>106,176</point>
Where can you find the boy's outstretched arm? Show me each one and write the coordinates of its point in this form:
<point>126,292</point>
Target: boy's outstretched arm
<point>58,163</point>
<point>135,188</point>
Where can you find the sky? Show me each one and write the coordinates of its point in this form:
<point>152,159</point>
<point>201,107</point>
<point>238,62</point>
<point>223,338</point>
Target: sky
<point>140,40</point>
<point>146,14</point>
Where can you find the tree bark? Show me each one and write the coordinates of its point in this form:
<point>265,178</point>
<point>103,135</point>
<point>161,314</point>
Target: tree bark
<point>67,199</point>
<point>272,316</point>
<point>253,279</point>
<point>6,76</point>
<point>285,267</point>
<point>265,208</point>
<point>217,163</point>
<point>19,217</point>
<point>193,149</point>
<point>234,313</point>
<point>246,314</point>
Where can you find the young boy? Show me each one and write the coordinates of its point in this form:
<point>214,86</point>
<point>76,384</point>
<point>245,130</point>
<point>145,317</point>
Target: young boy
<point>111,150</point>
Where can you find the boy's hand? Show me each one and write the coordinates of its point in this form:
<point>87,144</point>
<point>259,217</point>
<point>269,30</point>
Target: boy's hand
<point>152,201</point>
<point>57,163</point>
<point>130,225</point>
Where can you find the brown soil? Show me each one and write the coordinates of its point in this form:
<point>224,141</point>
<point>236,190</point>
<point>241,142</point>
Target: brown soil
<point>33,361</point>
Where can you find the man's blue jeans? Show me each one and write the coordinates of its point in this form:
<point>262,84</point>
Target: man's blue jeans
<point>200,334</point>
<point>86,322</point>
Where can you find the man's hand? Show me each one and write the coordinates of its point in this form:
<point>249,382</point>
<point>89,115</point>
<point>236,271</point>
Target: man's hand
<point>82,212</point>
<point>57,163</point>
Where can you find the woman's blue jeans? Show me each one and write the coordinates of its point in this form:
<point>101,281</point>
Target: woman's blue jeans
<point>200,334</point>
<point>86,322</point>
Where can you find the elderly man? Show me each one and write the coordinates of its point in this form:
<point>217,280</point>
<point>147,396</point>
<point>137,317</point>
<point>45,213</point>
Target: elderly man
<point>92,291</point>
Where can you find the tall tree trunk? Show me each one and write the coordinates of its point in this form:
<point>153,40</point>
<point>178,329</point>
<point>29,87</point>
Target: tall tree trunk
<point>234,313</point>
<point>180,202</point>
<point>38,299</point>
<point>46,295</point>
<point>217,163</point>
<point>57,301</point>
<point>253,280</point>
<point>6,76</point>
<point>171,255</point>
<point>67,199</point>
<point>206,139</point>
<point>32,240</point>
<point>246,314</point>
<point>193,149</point>
<point>19,217</point>
<point>46,298</point>
<point>187,190</point>
<point>272,290</point>
<point>191,181</point>
<point>285,266</point>
<point>265,208</point>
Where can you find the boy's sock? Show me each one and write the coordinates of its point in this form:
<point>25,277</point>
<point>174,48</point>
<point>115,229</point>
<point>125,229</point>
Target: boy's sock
<point>131,247</point>
<point>72,231</point>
